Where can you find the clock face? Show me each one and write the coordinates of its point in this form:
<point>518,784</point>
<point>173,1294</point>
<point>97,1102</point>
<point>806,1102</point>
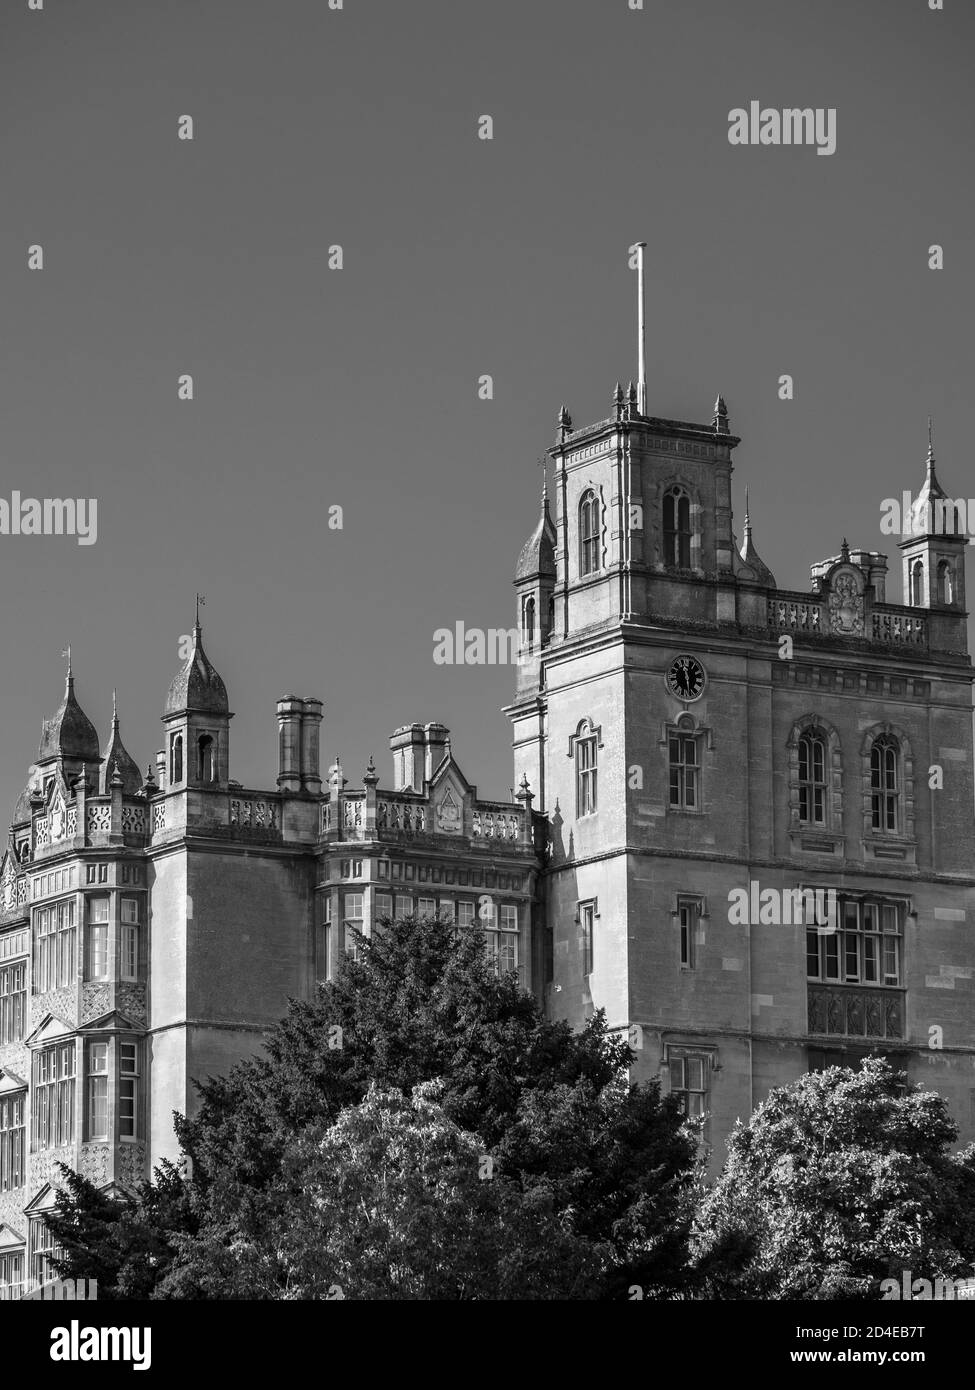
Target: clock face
<point>686,678</point>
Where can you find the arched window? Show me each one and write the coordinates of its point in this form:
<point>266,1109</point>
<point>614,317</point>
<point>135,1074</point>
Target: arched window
<point>885,784</point>
<point>917,584</point>
<point>176,759</point>
<point>528,623</point>
<point>812,778</point>
<point>588,533</point>
<point>945,590</point>
<point>677,528</point>
<point>205,761</point>
<point>586,744</point>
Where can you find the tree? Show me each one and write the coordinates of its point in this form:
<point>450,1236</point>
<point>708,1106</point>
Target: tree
<point>836,1182</point>
<point>123,1241</point>
<point>606,1161</point>
<point>395,1201</point>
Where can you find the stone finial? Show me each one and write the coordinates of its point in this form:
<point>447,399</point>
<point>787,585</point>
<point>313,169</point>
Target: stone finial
<point>370,776</point>
<point>618,398</point>
<point>845,550</point>
<point>719,422</point>
<point>149,785</point>
<point>564,422</point>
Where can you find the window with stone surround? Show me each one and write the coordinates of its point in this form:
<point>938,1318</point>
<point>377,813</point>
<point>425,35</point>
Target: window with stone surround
<point>588,912</point>
<point>584,748</point>
<point>866,947</point>
<point>815,785</point>
<point>97,934</point>
<point>685,770</point>
<point>353,919</point>
<point>129,1097</point>
<point>96,1091</point>
<point>501,936</point>
<point>44,1249</point>
<point>812,778</point>
<point>589,533</point>
<point>175,759</point>
<point>12,1141</point>
<point>53,1096</point>
<point>130,932</point>
<point>690,1071</point>
<point>13,1002</point>
<point>323,943</point>
<point>54,946</point>
<point>11,1275</point>
<point>885,796</point>
<point>946,591</point>
<point>677,528</point>
<point>689,913</point>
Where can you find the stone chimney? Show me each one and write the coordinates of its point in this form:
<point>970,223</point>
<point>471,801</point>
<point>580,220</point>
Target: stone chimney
<point>436,739</point>
<point>408,748</point>
<point>311,777</point>
<point>290,711</point>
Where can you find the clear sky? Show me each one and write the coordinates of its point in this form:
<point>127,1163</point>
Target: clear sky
<point>358,388</point>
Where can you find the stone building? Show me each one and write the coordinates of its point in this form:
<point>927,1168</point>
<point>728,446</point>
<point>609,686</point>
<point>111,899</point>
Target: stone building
<point>152,927</point>
<point>704,762</point>
<point>697,736</point>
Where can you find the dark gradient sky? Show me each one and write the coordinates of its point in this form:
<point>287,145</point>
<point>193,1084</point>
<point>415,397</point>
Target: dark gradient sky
<point>461,257</point>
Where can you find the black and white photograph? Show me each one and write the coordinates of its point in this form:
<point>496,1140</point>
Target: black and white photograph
<point>487,723</point>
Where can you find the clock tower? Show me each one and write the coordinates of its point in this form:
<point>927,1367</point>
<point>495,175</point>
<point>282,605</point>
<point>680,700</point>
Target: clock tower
<point>697,737</point>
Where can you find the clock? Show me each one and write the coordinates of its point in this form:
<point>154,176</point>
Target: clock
<point>686,678</point>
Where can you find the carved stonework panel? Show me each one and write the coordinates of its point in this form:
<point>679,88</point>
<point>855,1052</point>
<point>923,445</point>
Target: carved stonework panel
<point>96,1163</point>
<point>57,820</point>
<point>8,889</point>
<point>130,1000</point>
<point>44,1168</point>
<point>450,819</point>
<point>133,820</point>
<point>12,1209</point>
<point>159,817</point>
<point>95,1001</point>
<point>63,1002</point>
<point>131,1164</point>
<point>99,819</point>
<point>846,606</point>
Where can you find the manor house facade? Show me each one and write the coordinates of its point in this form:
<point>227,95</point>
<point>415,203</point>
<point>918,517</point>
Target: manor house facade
<point>686,734</point>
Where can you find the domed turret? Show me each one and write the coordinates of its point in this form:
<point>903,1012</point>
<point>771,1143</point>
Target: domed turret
<point>70,735</point>
<point>197,688</point>
<point>538,553</point>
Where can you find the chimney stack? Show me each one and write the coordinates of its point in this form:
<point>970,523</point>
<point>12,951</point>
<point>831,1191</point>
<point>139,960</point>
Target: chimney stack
<point>436,737</point>
<point>290,710</point>
<point>311,778</point>
<point>407,744</point>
